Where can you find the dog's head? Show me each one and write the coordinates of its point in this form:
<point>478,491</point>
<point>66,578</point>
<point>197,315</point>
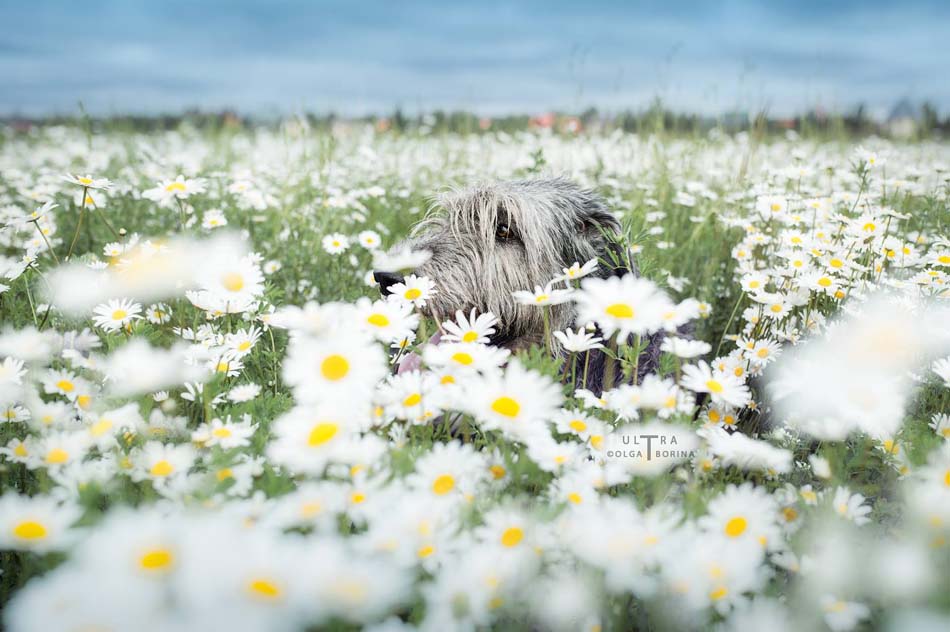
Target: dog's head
<point>490,240</point>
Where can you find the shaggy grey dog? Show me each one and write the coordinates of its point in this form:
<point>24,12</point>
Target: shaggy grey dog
<point>490,240</point>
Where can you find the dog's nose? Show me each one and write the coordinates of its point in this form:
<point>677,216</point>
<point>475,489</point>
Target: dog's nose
<point>386,280</point>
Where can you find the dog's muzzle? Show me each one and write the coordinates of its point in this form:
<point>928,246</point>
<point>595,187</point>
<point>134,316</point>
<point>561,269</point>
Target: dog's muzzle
<point>386,280</point>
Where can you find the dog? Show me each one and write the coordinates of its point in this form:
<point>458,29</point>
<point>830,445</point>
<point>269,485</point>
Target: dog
<point>491,240</point>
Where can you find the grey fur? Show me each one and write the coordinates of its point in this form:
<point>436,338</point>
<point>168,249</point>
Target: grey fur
<point>552,224</point>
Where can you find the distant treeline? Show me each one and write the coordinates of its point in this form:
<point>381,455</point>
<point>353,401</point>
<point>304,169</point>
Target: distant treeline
<point>905,122</point>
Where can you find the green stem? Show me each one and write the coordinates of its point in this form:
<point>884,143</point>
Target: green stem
<point>49,246</point>
<point>82,213</point>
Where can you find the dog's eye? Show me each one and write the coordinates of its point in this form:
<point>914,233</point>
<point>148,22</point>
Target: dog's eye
<point>503,232</point>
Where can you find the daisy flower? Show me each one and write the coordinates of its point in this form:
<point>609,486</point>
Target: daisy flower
<point>158,313</point>
<point>369,239</point>
<point>541,297</point>
<point>11,371</point>
<point>116,314</point>
<point>413,290</point>
<point>743,515</point>
<point>625,305</point>
<point>160,463</point>
<point>763,351</point>
<point>851,506</point>
<point>771,205</point>
<point>213,218</point>
<point>242,342</point>
<point>723,387</point>
<point>306,439</point>
<point>335,367</point>
<point>167,192</point>
<point>88,181</point>
<point>942,368</point>
<point>232,281</point>
<point>940,422</point>
<point>226,434</point>
<point>517,402</point>
<point>683,348</point>
<point>577,271</point>
<point>386,320</point>
<point>335,243</point>
<point>39,524</point>
<point>58,449</point>
<point>244,392</point>
<point>448,471</point>
<point>842,616</point>
<point>472,329</point>
<point>412,396</point>
<point>579,341</point>
<point>60,383</point>
<point>506,528</point>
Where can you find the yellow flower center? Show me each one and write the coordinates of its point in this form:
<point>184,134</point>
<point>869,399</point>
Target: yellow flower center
<point>412,400</point>
<point>736,527</point>
<point>762,353</point>
<point>334,367</point>
<point>321,433</point>
<point>162,468</point>
<point>232,282</point>
<point>57,456</point>
<point>311,509</point>
<point>84,401</point>
<point>443,484</point>
<point>30,530</point>
<point>578,425</point>
<point>714,386</point>
<point>575,498</point>
<point>512,536</point>
<point>824,282</point>
<point>426,551</point>
<point>378,320</point>
<point>497,471</point>
<point>358,498</point>
<point>754,284</point>
<point>718,593</point>
<point>100,427</point>
<point>20,450</point>
<point>264,588</point>
<point>119,314</point>
<point>85,181</point>
<point>244,346</point>
<point>869,227</point>
<point>156,559</point>
<point>540,298</point>
<point>619,310</point>
<point>224,474</point>
<point>944,259</point>
<point>175,187</point>
<point>221,433</point>
<point>463,358</point>
<point>413,293</point>
<point>506,406</point>
<point>776,308</point>
<point>470,336</point>
<point>65,385</point>
<point>447,379</point>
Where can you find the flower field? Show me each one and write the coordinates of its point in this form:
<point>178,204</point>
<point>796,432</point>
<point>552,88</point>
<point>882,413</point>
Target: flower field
<point>203,424</point>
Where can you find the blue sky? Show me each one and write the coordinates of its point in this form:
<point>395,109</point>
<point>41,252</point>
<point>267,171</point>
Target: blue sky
<point>277,56</point>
